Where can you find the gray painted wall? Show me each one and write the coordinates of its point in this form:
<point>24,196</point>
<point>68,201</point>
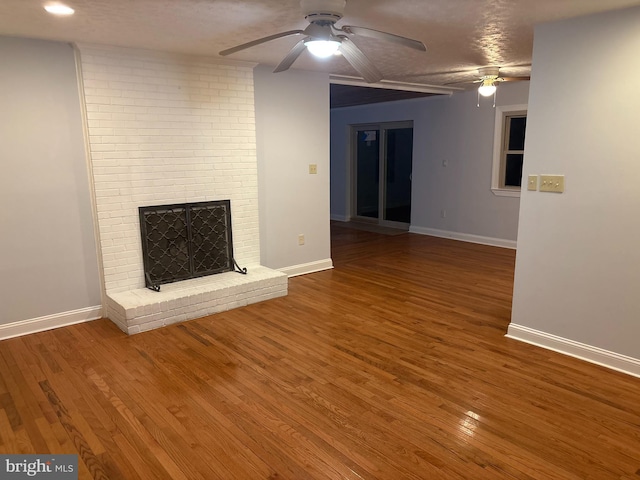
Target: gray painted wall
<point>48,259</point>
<point>577,267</point>
<point>292,131</point>
<point>450,129</point>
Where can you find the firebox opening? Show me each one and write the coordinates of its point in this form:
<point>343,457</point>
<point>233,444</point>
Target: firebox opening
<point>187,240</point>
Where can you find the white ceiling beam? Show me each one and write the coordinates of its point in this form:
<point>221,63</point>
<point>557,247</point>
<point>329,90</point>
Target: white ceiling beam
<point>390,85</point>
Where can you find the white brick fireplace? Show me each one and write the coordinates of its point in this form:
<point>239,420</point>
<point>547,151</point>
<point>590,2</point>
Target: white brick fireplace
<point>165,129</point>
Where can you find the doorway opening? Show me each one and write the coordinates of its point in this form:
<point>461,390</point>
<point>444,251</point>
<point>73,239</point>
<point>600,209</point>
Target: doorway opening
<point>381,159</point>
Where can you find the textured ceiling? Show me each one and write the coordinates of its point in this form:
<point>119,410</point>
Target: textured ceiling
<point>461,35</point>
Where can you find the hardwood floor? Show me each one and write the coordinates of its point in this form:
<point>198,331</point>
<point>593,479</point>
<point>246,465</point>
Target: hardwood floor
<point>391,366</point>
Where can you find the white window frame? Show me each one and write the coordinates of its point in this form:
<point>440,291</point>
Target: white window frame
<point>498,150</point>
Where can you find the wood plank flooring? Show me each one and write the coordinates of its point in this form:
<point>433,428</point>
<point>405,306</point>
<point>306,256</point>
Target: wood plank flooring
<point>391,366</point>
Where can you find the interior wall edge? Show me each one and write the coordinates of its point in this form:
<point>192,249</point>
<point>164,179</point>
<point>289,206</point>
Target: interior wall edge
<point>92,189</point>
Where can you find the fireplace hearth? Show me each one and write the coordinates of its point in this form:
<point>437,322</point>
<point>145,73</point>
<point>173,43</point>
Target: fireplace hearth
<point>187,240</point>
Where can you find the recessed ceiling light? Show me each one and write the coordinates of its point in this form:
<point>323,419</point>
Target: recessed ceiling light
<point>59,9</point>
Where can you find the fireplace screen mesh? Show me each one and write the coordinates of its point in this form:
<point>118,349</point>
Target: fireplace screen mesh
<point>186,241</point>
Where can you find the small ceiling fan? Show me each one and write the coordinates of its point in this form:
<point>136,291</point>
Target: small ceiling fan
<point>489,78</point>
<point>323,38</point>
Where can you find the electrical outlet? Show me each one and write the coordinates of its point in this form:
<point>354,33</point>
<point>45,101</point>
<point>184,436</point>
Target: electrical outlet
<point>532,183</point>
<point>552,183</point>
<point>313,169</point>
<point>301,239</point>
<point>443,213</point>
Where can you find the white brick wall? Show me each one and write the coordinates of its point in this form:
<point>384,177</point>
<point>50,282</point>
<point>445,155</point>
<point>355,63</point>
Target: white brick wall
<point>167,128</point>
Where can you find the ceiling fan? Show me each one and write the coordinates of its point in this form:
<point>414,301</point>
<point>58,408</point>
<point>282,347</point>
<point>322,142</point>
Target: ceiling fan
<point>488,78</point>
<point>323,38</point>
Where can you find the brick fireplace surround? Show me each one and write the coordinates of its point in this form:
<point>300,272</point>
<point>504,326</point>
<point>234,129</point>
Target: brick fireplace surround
<point>164,129</point>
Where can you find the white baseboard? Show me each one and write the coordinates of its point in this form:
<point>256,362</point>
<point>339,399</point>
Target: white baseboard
<point>339,218</point>
<point>40,324</point>
<point>464,237</point>
<point>599,356</point>
<point>305,268</point>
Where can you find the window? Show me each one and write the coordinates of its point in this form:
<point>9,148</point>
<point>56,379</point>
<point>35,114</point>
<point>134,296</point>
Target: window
<point>508,150</point>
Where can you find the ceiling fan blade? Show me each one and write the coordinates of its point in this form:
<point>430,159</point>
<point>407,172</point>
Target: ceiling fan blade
<point>472,72</point>
<point>460,83</point>
<point>237,48</point>
<point>387,37</point>
<point>359,61</point>
<point>291,57</point>
<point>515,79</point>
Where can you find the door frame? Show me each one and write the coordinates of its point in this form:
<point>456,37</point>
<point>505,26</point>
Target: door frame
<point>382,174</point>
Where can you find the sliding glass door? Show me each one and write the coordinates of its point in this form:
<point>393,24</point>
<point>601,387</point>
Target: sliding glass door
<point>382,160</point>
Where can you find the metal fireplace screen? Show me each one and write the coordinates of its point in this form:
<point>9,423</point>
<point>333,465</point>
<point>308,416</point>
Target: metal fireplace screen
<point>184,241</point>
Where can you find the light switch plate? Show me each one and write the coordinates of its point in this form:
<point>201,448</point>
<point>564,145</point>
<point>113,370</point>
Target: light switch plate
<point>532,183</point>
<point>552,183</point>
<point>313,169</point>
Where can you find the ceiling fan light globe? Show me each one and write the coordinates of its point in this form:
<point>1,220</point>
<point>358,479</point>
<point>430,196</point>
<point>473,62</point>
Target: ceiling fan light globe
<point>487,90</point>
<point>322,48</point>
<point>59,9</point>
